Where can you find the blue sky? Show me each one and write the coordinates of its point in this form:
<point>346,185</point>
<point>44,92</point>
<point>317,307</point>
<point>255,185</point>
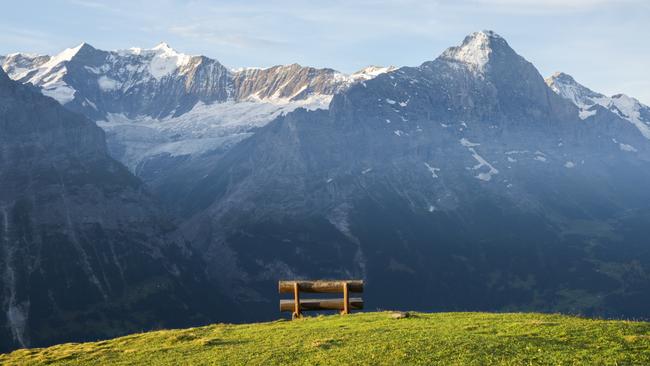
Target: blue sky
<point>604,44</point>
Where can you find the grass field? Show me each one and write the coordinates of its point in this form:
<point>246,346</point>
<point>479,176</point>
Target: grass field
<point>370,339</point>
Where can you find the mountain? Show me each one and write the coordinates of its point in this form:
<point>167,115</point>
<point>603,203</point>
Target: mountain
<point>465,183</point>
<point>85,251</point>
<point>168,115</point>
<point>589,102</point>
<point>161,82</point>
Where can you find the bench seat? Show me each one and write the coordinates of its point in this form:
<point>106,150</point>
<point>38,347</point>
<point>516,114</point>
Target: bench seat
<point>321,304</point>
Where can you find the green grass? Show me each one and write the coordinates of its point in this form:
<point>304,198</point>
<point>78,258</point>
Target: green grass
<point>370,339</point>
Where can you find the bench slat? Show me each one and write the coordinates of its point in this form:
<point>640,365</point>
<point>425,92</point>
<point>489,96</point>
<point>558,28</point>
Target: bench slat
<point>321,304</point>
<point>286,287</point>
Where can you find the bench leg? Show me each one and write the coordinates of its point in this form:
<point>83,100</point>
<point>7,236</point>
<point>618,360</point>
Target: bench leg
<point>346,299</point>
<point>296,302</point>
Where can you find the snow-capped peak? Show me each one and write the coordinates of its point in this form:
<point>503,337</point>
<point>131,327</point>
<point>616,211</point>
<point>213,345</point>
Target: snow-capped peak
<point>585,99</point>
<point>65,55</point>
<point>49,75</point>
<point>166,60</point>
<point>562,77</point>
<point>475,50</point>
<point>164,49</point>
<point>566,86</point>
<point>161,49</point>
<point>163,46</point>
<point>371,72</point>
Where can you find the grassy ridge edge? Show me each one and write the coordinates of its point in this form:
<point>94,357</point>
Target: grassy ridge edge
<point>370,339</point>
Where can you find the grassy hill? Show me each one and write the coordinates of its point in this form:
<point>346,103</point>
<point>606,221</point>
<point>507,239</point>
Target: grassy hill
<point>370,339</point>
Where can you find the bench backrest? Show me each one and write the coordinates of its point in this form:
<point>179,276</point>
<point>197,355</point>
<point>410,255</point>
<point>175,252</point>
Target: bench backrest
<point>298,305</point>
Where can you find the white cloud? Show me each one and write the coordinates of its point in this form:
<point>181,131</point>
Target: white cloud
<point>90,4</point>
<point>218,35</point>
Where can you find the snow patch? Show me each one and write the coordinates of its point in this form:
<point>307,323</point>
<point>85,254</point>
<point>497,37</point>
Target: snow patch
<point>432,170</point>
<point>86,103</point>
<point>630,109</point>
<point>482,163</point>
<point>585,113</point>
<point>485,176</point>
<point>107,84</point>
<point>465,142</point>
<point>60,91</point>
<point>626,147</point>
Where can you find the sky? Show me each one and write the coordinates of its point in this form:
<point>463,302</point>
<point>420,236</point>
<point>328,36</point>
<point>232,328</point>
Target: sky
<point>604,44</point>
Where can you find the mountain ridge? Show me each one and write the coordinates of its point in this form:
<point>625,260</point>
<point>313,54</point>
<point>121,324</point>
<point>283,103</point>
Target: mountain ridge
<point>167,61</point>
<point>164,110</point>
<point>434,175</point>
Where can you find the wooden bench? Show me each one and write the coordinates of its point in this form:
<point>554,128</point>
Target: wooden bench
<point>297,305</point>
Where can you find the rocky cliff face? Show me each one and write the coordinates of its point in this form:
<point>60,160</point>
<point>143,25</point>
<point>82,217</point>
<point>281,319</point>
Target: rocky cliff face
<point>292,82</point>
<point>466,178</point>
<point>84,250</point>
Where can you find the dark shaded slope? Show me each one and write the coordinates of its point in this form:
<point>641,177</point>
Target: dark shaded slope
<point>84,252</point>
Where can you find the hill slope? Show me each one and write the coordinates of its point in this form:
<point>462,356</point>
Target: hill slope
<point>371,339</point>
